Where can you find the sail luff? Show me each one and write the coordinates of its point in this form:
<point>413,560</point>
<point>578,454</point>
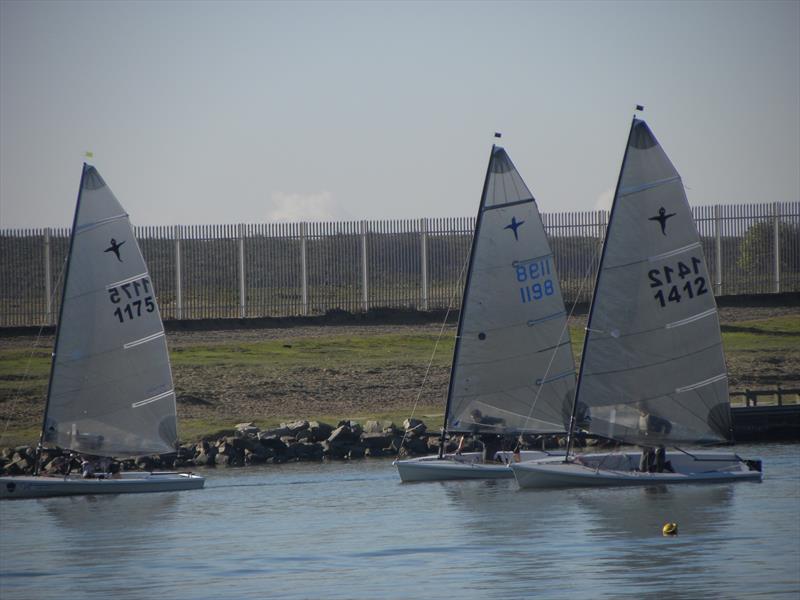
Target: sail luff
<point>464,297</point>
<point>571,429</point>
<point>60,315</point>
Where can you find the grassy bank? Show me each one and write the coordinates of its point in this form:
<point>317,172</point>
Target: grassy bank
<point>327,374</point>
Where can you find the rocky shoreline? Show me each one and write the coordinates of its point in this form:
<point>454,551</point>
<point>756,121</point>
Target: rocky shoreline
<point>290,442</point>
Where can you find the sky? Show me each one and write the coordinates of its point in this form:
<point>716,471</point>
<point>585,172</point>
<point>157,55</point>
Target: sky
<point>251,112</point>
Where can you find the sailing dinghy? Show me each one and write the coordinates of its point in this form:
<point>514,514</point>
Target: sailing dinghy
<point>653,372</point>
<point>110,392</point>
<point>513,370</point>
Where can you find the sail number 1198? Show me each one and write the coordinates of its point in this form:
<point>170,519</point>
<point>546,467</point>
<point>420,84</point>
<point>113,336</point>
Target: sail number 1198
<point>536,277</point>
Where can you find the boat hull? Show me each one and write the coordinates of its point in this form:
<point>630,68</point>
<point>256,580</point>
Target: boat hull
<point>129,483</point>
<point>464,466</point>
<point>607,470</point>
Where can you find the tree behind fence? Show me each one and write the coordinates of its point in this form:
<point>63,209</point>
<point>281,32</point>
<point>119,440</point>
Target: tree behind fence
<point>286,269</point>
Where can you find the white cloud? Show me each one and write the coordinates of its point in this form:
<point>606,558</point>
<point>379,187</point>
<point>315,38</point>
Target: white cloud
<point>315,206</point>
<point>604,200</point>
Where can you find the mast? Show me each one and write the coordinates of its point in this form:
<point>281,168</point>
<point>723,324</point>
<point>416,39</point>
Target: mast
<point>478,220</point>
<point>58,325</point>
<point>571,429</point>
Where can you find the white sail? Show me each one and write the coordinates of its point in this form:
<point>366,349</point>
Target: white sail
<point>111,391</point>
<point>513,369</point>
<point>653,370</point>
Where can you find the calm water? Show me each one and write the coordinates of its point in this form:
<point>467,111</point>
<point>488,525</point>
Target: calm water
<point>354,531</point>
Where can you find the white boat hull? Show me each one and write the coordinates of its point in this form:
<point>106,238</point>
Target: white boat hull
<point>604,470</point>
<point>463,466</point>
<point>30,486</point>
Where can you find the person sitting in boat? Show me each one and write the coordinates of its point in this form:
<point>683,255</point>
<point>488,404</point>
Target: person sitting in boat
<point>460,447</point>
<point>653,459</point>
<point>478,418</point>
<point>114,470</point>
<point>87,468</point>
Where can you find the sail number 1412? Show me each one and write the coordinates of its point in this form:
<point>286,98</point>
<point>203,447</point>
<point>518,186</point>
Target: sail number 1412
<point>536,277</point>
<point>678,282</point>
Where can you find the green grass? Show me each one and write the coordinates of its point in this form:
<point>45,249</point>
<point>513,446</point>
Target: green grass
<point>329,351</point>
<point>778,336</point>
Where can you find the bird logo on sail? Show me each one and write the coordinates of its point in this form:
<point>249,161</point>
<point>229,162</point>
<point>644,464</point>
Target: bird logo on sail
<point>662,219</point>
<point>114,247</point>
<point>513,226</point>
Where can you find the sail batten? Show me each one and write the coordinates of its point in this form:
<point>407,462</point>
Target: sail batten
<point>647,377</point>
<point>513,369</point>
<point>507,204</point>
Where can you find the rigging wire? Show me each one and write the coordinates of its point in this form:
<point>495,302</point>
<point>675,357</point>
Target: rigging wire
<point>584,279</point>
<point>453,297</point>
<point>16,395</point>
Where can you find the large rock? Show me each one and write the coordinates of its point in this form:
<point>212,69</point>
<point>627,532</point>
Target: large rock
<point>336,449</point>
<point>353,426</point>
<point>277,432</point>
<point>344,433</point>
<point>373,427</point>
<point>319,431</point>
<point>307,451</point>
<point>413,447</point>
<point>376,441</point>
<point>414,427</point>
<point>295,427</point>
<point>356,452</point>
<point>245,429</point>
<point>223,460</point>
<point>256,457</point>
<point>274,443</point>
<point>376,452</point>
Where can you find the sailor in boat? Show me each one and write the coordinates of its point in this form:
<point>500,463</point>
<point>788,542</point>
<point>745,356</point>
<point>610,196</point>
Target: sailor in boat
<point>87,468</point>
<point>492,442</point>
<point>653,459</point>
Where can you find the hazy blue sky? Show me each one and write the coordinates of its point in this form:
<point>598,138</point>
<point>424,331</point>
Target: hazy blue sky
<point>248,112</point>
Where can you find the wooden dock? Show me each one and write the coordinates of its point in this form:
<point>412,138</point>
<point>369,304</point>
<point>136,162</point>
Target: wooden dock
<point>766,423</point>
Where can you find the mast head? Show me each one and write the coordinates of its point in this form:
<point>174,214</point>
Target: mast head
<point>498,135</point>
<point>639,108</point>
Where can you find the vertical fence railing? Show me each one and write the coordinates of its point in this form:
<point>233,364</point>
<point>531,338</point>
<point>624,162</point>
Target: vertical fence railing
<point>283,269</point>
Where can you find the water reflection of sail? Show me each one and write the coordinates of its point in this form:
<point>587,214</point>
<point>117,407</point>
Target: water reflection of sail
<point>489,511</point>
<point>639,512</point>
<point>140,515</point>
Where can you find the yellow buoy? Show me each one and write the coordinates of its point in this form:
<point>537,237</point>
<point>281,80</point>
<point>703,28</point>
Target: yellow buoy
<point>670,529</point>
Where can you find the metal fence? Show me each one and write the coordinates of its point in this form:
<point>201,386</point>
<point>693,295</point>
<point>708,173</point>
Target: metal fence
<point>241,271</point>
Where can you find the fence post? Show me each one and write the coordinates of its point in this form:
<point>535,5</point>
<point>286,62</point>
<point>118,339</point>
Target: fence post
<point>47,280</point>
<point>718,249</point>
<point>423,240</point>
<point>304,265</point>
<point>177,234</point>
<point>242,291</point>
<point>364,282</point>
<point>776,221</point>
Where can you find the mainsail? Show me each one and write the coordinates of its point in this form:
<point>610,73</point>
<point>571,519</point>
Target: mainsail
<point>111,391</point>
<point>513,369</point>
<point>653,371</point>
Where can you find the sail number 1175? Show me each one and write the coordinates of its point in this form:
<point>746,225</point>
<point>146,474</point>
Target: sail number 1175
<point>132,299</point>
